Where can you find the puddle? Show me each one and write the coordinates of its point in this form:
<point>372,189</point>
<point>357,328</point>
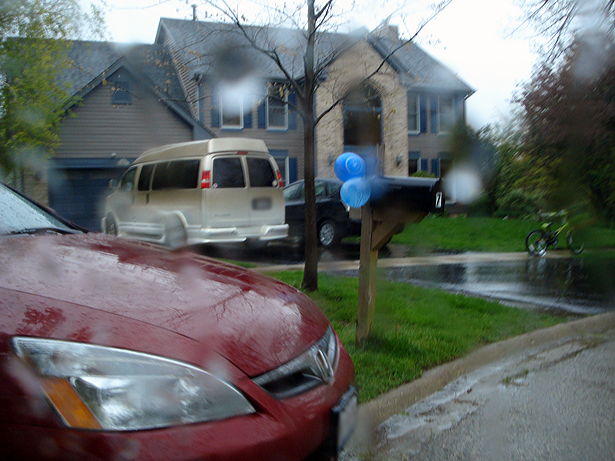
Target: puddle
<point>562,284</point>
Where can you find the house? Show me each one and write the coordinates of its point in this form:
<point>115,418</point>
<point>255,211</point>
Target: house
<point>403,115</point>
<point>204,79</point>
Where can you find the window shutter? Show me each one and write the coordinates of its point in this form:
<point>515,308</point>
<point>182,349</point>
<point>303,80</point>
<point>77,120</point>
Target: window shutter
<point>434,115</point>
<point>292,113</point>
<point>435,166</point>
<point>247,113</point>
<point>215,110</point>
<point>262,116</point>
<point>423,114</point>
<point>292,169</point>
<point>424,165</point>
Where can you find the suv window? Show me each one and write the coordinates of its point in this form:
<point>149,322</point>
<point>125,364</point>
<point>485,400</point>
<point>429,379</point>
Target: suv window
<point>294,192</point>
<point>319,189</point>
<point>261,172</point>
<point>176,174</point>
<point>228,173</point>
<point>332,188</point>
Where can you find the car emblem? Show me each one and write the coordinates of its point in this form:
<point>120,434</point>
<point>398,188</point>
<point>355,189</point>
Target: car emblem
<point>324,370</point>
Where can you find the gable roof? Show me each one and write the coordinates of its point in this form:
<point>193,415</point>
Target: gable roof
<point>210,48</point>
<point>94,62</point>
<point>416,67</point>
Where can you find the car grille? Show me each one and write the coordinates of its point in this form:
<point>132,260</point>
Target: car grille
<point>313,368</point>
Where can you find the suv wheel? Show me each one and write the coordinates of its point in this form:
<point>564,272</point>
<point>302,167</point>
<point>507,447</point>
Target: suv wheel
<point>328,236</point>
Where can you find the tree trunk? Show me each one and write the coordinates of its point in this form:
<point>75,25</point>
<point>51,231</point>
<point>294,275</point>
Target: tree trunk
<point>310,274</point>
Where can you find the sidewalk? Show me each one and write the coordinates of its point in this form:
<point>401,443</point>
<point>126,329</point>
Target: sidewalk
<point>376,412</point>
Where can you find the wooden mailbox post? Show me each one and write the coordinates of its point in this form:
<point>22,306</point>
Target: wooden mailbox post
<point>394,202</point>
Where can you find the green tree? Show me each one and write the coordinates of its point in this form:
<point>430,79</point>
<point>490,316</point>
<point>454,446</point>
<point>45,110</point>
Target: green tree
<point>33,43</point>
<point>569,114</point>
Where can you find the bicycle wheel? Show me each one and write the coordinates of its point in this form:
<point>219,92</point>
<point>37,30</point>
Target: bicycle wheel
<point>536,243</point>
<point>574,248</point>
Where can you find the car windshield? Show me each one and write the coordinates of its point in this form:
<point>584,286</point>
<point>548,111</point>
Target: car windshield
<point>18,215</point>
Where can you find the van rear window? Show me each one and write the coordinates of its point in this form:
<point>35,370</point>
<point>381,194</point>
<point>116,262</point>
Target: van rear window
<point>261,172</point>
<point>177,174</point>
<point>228,173</point>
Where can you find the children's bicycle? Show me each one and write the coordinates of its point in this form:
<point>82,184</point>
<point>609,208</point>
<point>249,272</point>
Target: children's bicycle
<point>539,240</point>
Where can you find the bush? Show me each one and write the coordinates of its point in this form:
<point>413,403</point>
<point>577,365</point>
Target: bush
<point>481,207</point>
<point>518,204</point>
<point>423,174</point>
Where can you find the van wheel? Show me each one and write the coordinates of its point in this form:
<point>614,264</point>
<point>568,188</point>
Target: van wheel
<point>175,235</point>
<point>256,244</point>
<point>110,225</point>
<point>328,236</point>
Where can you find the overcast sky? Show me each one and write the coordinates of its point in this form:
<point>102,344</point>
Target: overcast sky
<point>471,37</point>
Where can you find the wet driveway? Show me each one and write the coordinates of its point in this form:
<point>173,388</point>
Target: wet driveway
<point>556,282</point>
<point>567,284</point>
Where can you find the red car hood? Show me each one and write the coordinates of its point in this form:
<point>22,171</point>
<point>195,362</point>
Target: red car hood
<point>254,322</point>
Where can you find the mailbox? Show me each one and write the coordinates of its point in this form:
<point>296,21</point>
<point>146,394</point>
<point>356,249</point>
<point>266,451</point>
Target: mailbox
<point>403,199</point>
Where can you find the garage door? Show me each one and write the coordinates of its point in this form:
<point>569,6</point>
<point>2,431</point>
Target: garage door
<point>79,194</point>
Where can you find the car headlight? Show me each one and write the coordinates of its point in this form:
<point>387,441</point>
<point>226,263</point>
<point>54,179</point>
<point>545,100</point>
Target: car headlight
<point>96,387</point>
<point>314,367</point>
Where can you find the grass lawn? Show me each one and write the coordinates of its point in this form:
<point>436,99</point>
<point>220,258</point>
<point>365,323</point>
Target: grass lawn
<point>415,328</point>
<point>418,328</point>
<point>486,234</point>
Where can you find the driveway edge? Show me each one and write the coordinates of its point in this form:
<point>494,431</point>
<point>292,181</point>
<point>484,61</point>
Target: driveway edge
<point>375,412</point>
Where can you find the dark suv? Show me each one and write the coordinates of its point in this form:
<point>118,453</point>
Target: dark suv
<point>333,219</point>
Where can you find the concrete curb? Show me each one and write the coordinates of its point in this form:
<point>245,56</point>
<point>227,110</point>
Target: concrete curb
<point>380,409</point>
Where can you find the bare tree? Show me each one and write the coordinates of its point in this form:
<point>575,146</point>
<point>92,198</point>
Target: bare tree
<point>558,22</point>
<point>304,66</point>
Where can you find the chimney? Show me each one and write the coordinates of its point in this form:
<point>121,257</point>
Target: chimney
<point>386,30</point>
<point>193,12</point>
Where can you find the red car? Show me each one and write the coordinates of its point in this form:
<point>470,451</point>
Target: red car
<point>112,349</point>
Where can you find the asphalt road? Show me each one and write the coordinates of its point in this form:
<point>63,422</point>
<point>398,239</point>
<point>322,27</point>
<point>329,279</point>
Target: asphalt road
<point>555,401</point>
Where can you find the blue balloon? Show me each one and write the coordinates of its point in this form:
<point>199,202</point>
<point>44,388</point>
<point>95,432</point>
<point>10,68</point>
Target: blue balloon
<point>355,192</point>
<point>348,166</point>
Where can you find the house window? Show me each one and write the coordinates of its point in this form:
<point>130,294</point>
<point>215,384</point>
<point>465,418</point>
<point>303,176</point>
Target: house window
<point>446,114</point>
<point>277,108</point>
<point>231,111</point>
<point>414,113</point>
<point>120,92</point>
<point>414,159</point>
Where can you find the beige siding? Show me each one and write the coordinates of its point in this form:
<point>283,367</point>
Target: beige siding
<point>97,128</point>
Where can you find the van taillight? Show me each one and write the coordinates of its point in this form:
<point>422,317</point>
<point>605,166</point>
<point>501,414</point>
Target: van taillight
<point>280,181</point>
<point>206,179</point>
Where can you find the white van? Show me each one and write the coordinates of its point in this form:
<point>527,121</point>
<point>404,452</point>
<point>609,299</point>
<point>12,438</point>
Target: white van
<point>219,190</point>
